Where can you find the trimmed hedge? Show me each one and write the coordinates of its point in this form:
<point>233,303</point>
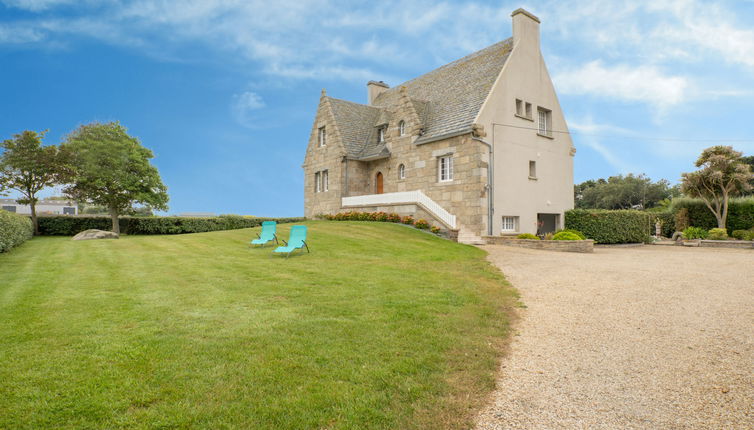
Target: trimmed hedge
<point>606,226</point>
<point>70,225</point>
<point>740,213</point>
<point>14,230</point>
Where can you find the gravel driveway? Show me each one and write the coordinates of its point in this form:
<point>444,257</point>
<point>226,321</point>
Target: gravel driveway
<point>650,337</point>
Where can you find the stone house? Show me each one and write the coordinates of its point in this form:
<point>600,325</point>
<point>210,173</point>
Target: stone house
<point>479,146</point>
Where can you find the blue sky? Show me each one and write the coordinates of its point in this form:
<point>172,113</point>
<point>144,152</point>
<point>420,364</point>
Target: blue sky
<point>224,92</point>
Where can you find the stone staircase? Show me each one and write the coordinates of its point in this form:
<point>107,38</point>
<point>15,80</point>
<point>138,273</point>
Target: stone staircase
<point>469,237</point>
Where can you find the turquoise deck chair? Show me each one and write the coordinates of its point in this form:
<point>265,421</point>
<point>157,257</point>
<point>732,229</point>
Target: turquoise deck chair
<point>296,240</point>
<point>267,234</point>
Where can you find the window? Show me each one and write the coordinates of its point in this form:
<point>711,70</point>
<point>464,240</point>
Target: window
<point>402,128</point>
<point>9,208</point>
<point>510,223</point>
<point>519,107</point>
<point>532,170</point>
<point>445,168</point>
<point>322,137</point>
<point>528,110</point>
<point>317,182</point>
<point>381,135</point>
<point>321,181</point>
<point>69,211</point>
<point>325,181</point>
<point>545,122</point>
<point>402,172</point>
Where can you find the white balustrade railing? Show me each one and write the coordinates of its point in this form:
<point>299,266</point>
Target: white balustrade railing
<point>405,197</point>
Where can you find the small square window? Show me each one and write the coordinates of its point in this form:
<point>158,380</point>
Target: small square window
<point>510,223</point>
<point>528,110</point>
<point>445,168</point>
<point>322,137</point>
<point>532,170</point>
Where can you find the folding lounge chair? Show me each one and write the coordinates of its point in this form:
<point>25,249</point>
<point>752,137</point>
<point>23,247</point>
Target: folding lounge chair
<point>267,234</point>
<point>296,240</point>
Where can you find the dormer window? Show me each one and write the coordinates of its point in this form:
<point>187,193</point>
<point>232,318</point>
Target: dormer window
<point>381,135</point>
<point>322,137</point>
<point>402,128</point>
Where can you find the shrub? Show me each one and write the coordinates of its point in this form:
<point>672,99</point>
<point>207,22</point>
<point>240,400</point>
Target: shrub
<point>393,217</point>
<point>694,233</point>
<point>681,218</point>
<point>527,236</point>
<point>421,223</point>
<point>14,230</point>
<point>408,219</point>
<point>668,221</point>
<point>606,226</point>
<point>576,232</point>
<point>740,234</point>
<point>434,229</point>
<point>566,235</point>
<point>717,234</point>
<point>69,225</point>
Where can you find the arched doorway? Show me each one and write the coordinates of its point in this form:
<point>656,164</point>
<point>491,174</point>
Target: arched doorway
<point>378,183</point>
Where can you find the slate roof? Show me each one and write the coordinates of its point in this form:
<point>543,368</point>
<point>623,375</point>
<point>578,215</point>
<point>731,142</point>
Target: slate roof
<point>447,100</point>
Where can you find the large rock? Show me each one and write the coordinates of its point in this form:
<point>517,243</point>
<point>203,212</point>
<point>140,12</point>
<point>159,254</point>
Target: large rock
<point>95,234</point>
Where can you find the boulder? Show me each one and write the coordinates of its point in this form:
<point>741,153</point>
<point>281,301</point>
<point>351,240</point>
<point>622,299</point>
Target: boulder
<point>95,234</point>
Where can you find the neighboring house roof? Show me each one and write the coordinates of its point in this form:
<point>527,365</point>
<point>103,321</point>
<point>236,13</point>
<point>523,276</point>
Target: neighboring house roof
<point>42,202</point>
<point>446,99</point>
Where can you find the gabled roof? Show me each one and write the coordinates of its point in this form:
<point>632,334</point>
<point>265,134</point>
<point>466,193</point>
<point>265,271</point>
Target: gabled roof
<point>446,99</point>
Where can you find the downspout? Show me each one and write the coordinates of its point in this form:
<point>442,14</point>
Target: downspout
<point>490,180</point>
<point>344,192</point>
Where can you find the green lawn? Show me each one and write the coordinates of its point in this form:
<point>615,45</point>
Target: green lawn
<point>380,327</point>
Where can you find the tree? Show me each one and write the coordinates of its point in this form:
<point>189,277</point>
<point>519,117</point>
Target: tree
<point>107,167</point>
<point>723,174</point>
<point>750,161</point>
<point>28,167</point>
<point>622,192</point>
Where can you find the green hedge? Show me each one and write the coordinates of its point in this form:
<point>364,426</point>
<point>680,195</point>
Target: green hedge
<point>605,226</point>
<point>14,230</point>
<point>70,225</point>
<point>740,213</point>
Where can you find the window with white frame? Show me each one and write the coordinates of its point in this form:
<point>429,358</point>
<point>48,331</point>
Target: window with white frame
<point>325,181</point>
<point>381,135</point>
<point>402,128</point>
<point>545,121</point>
<point>510,223</point>
<point>445,168</point>
<point>402,171</point>
<point>322,137</point>
<point>317,182</point>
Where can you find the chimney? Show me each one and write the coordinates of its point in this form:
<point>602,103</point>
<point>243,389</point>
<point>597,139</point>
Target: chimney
<point>525,29</point>
<point>374,89</point>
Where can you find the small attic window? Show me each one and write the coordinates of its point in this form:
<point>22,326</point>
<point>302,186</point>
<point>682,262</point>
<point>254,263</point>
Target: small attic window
<point>402,128</point>
<point>322,137</point>
<point>381,134</point>
<point>519,107</point>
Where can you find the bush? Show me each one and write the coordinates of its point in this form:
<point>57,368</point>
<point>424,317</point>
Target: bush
<point>717,234</point>
<point>434,229</point>
<point>527,236</point>
<point>566,235</point>
<point>408,219</point>
<point>668,221</point>
<point>605,226</point>
<point>70,225</point>
<point>576,232</point>
<point>740,213</point>
<point>14,230</point>
<point>393,217</point>
<point>421,224</point>
<point>743,234</point>
<point>694,233</point>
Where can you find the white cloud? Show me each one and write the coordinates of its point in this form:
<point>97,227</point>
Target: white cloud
<point>587,132</point>
<point>645,84</point>
<point>243,106</point>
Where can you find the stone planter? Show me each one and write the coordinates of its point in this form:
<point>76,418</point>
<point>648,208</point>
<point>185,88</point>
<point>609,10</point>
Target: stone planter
<point>549,245</point>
